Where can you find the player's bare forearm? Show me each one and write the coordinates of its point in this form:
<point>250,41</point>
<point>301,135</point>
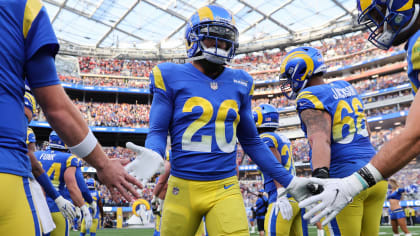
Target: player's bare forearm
<point>37,169</point>
<point>400,150</point>
<point>318,126</point>
<point>61,114</point>
<point>71,184</point>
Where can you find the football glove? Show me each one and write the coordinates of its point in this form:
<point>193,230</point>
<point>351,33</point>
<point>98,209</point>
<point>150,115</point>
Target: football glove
<point>156,205</point>
<point>94,207</point>
<point>66,208</point>
<point>146,164</point>
<point>298,188</point>
<point>282,204</point>
<point>336,195</point>
<point>86,215</point>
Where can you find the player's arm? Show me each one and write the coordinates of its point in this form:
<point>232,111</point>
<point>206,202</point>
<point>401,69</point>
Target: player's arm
<point>258,151</point>
<point>318,125</point>
<point>67,121</point>
<point>82,186</point>
<point>278,157</point>
<point>101,207</point>
<point>163,180</point>
<point>71,184</point>
<point>158,123</point>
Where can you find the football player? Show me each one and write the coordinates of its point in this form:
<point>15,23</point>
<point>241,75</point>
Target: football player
<point>63,168</point>
<point>65,206</point>
<point>206,106</point>
<point>27,50</point>
<point>96,208</point>
<point>289,221</point>
<point>390,23</point>
<point>333,120</point>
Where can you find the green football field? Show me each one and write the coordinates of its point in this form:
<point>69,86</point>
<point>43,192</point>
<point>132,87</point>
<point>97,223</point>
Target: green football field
<point>385,230</point>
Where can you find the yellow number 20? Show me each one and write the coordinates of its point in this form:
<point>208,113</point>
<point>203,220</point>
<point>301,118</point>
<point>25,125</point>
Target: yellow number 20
<point>220,128</point>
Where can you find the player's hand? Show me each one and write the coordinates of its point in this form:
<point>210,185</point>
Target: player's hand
<point>160,205</point>
<point>86,216</point>
<point>66,208</point>
<point>282,204</point>
<point>94,208</point>
<point>297,188</point>
<point>154,204</point>
<point>336,195</point>
<point>78,215</point>
<point>146,164</point>
<point>118,181</point>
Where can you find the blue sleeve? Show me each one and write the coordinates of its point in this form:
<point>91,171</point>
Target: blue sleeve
<point>46,184</point>
<point>400,190</point>
<point>83,187</point>
<point>256,148</point>
<point>37,30</point>
<point>40,70</point>
<point>160,117</point>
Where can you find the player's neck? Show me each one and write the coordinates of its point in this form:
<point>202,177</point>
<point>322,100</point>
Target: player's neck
<point>210,69</point>
<point>316,80</point>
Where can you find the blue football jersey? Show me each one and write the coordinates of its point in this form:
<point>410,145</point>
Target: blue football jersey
<point>55,163</point>
<point>30,136</point>
<point>350,144</point>
<point>96,196</point>
<point>413,61</point>
<point>203,120</point>
<point>24,28</point>
<point>283,145</point>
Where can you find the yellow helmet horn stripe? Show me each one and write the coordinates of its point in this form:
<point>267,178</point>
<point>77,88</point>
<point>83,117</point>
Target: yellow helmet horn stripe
<point>406,6</point>
<point>299,54</point>
<point>205,13</point>
<point>364,4</point>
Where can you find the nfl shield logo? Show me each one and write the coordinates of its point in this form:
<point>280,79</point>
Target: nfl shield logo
<point>175,191</point>
<point>213,85</point>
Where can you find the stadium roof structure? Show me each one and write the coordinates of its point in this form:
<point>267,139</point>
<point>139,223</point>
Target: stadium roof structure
<point>156,27</point>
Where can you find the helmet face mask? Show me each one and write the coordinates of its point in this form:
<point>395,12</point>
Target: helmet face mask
<point>221,29</point>
<point>386,19</point>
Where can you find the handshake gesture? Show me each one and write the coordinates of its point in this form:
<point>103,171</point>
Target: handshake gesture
<point>335,195</point>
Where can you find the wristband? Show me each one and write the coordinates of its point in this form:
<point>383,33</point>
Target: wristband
<point>85,147</point>
<point>322,173</point>
<point>370,174</point>
<point>45,182</point>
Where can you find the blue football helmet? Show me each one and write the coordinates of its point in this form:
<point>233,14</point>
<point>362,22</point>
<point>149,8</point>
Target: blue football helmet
<point>385,19</point>
<point>91,183</point>
<point>211,22</point>
<point>298,67</point>
<point>266,116</point>
<point>29,102</point>
<point>56,142</point>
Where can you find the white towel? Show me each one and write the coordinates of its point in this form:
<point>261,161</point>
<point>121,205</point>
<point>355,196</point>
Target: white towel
<point>41,206</point>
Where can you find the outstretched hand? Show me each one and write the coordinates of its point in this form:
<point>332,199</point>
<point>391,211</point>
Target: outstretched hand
<point>146,164</point>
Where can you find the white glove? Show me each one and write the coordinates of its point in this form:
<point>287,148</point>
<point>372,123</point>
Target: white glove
<point>297,188</point>
<point>78,215</point>
<point>146,164</point>
<point>336,195</point>
<point>86,216</point>
<point>160,205</point>
<point>66,208</point>
<point>94,208</point>
<point>282,204</point>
